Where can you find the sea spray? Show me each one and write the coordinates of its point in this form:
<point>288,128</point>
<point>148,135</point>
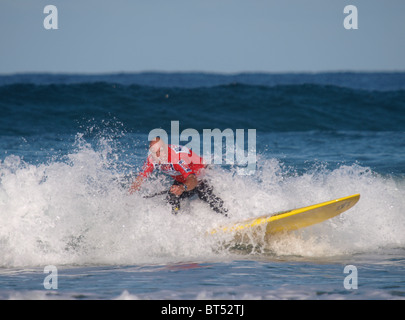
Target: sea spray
<point>73,211</point>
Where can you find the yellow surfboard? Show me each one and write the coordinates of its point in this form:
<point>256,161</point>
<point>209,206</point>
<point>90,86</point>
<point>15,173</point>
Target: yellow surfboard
<point>294,219</point>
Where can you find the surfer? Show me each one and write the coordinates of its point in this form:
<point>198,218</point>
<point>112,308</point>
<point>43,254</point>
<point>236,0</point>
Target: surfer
<point>186,168</point>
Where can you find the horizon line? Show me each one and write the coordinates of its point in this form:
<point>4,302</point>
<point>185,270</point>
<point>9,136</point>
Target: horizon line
<point>195,72</point>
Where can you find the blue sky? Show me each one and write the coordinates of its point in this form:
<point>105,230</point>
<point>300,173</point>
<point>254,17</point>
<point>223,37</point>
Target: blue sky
<point>227,36</point>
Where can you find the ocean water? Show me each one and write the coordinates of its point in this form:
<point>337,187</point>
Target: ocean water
<point>71,144</point>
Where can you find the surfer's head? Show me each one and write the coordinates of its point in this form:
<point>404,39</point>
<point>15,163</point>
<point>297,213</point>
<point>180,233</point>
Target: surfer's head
<point>158,150</point>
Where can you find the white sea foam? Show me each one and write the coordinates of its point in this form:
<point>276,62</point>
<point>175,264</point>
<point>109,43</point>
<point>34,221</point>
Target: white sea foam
<point>75,211</point>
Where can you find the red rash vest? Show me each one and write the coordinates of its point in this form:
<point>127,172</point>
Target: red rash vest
<point>181,163</point>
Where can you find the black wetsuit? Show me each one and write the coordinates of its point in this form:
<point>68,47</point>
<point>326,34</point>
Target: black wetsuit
<point>204,191</point>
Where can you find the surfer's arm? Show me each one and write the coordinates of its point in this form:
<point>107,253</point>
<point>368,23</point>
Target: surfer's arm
<point>147,170</point>
<point>188,185</point>
<point>191,182</point>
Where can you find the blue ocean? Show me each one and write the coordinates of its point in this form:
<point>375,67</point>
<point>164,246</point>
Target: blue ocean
<point>70,146</point>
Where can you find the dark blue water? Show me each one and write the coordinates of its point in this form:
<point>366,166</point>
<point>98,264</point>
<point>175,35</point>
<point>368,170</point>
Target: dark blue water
<point>29,109</point>
<point>70,145</point>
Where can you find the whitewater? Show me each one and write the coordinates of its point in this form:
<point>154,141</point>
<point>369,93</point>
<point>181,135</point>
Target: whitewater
<point>78,211</point>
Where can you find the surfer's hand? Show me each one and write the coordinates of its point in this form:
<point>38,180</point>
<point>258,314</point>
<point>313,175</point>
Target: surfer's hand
<point>136,185</point>
<point>177,190</point>
<point>133,189</point>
